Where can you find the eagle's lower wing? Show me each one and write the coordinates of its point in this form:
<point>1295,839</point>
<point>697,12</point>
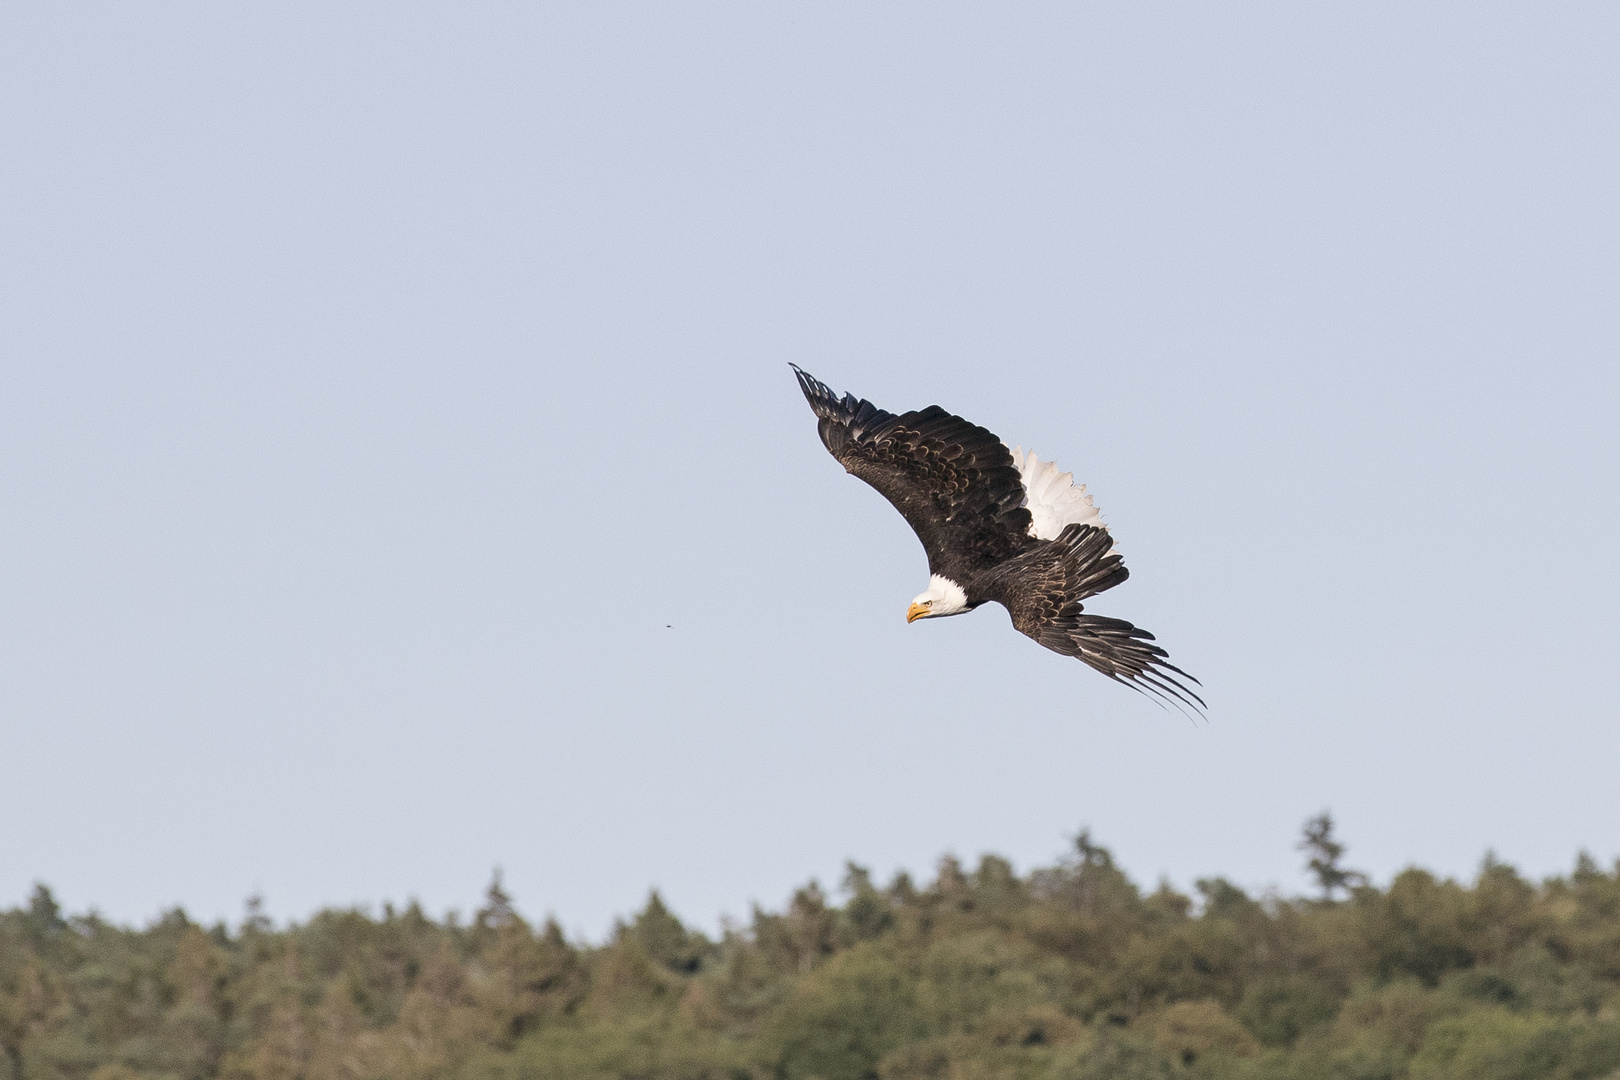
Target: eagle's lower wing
<point>954,482</point>
<point>1121,651</point>
<point>1042,590</point>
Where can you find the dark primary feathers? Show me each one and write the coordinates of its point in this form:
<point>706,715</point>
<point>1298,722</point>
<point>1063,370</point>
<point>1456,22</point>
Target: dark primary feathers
<point>960,489</point>
<point>1042,590</point>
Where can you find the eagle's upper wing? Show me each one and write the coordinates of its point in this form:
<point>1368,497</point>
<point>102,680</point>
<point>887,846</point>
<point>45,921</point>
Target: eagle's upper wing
<point>1042,590</point>
<point>954,482</point>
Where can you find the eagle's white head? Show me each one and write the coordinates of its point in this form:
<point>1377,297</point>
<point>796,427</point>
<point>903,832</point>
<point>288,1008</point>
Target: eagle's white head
<point>942,597</point>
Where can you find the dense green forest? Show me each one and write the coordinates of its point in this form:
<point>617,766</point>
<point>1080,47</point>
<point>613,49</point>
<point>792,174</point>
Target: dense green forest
<point>1070,972</point>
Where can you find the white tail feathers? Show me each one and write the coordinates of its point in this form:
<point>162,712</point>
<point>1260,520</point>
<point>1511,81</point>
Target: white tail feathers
<point>1053,498</point>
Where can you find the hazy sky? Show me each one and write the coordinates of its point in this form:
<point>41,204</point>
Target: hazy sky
<point>401,474</point>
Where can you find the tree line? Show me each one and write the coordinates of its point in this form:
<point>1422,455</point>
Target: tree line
<point>1070,972</point>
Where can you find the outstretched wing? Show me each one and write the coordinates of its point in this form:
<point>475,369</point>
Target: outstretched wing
<point>1042,590</point>
<point>953,481</point>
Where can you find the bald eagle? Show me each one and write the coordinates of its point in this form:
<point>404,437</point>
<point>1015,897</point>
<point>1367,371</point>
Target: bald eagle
<point>998,524</point>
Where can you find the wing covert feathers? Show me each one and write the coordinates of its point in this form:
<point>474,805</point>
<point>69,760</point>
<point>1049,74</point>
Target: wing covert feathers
<point>954,482</point>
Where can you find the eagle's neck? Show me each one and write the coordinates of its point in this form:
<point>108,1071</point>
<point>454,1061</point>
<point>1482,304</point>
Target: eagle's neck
<point>952,597</point>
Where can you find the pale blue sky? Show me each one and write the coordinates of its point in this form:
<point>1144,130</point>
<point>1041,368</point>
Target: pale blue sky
<point>380,381</point>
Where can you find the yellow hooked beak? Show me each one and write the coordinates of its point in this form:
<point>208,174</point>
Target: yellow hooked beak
<point>915,612</point>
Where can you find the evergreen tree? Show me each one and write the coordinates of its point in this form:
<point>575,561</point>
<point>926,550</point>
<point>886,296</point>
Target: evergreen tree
<point>1325,853</point>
